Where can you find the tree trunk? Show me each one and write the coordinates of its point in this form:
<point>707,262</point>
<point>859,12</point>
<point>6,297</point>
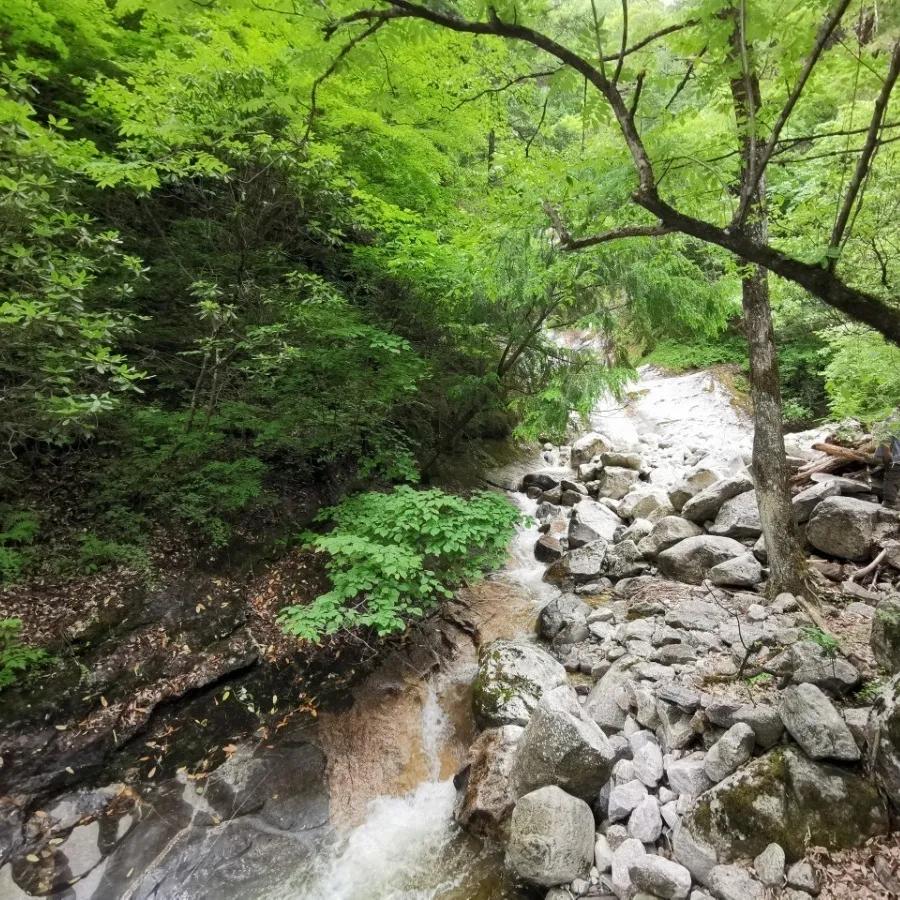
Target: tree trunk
<point>787,562</point>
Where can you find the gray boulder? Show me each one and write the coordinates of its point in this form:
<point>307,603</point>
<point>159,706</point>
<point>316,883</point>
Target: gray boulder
<point>605,704</point>
<point>762,718</point>
<point>706,505</point>
<point>623,560</point>
<point>884,733</point>
<point>551,837</point>
<point>645,822</point>
<point>885,638</point>
<point>587,447</point>
<point>544,480</point>
<point>624,857</point>
<point>547,549</point>
<point>665,533</point>
<point>809,662</point>
<point>734,883</point>
<point>487,799</point>
<point>738,517</point>
<point>694,481</point>
<point>807,500</point>
<point>616,482</point>
<point>581,566</point>
<point>730,752</point>
<point>687,776</point>
<point>624,460</point>
<point>691,559</point>
<point>769,866</point>
<point>511,679</point>
<point>742,571</point>
<point>785,797</point>
<point>591,521</point>
<point>849,528</point>
<point>816,725</point>
<point>560,612</point>
<point>646,502</point>
<point>660,877</point>
<point>562,746</point>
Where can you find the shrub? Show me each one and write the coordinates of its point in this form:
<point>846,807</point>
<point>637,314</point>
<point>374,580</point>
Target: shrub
<point>394,555</point>
<point>18,529</point>
<point>15,657</point>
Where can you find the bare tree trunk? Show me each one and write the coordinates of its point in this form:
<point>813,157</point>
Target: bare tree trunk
<point>787,562</point>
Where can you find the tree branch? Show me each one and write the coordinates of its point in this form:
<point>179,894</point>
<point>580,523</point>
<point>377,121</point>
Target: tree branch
<point>567,242</point>
<point>537,130</point>
<point>862,164</point>
<point>825,31</point>
<point>621,59</point>
<point>636,98</point>
<point>505,87</point>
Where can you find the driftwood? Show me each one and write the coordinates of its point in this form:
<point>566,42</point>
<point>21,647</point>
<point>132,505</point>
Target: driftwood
<point>846,453</point>
<point>837,458</point>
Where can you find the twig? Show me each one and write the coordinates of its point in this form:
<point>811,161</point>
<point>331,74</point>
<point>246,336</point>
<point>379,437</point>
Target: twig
<point>861,573</point>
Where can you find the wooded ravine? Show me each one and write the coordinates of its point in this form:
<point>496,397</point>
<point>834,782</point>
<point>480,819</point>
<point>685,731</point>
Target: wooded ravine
<point>313,312</point>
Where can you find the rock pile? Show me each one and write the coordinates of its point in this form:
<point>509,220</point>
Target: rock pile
<point>678,734</point>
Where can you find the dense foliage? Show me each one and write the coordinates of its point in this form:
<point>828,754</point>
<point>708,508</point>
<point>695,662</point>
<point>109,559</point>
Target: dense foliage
<point>392,556</point>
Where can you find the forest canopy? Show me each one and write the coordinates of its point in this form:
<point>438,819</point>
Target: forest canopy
<point>249,247</point>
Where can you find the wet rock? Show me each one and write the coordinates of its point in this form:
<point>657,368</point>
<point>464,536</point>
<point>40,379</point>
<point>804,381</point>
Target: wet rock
<point>570,497</point>
<point>582,565</point>
<point>706,505</point>
<point>761,717</point>
<point>769,866</point>
<point>691,559</point>
<point>616,482</point>
<point>562,746</point>
<point>734,883</point>
<point>807,500</point>
<point>785,797</point>
<point>816,725</point>
<point>547,549</point>
<point>730,752</point>
<point>740,572</point>
<point>667,532</point>
<point>551,837</point>
<point>885,636</point>
<point>645,822</point>
<point>738,517</point>
<point>488,797</point>
<point>591,521</point>
<point>511,679</point>
<point>661,877</point>
<point>694,481</point>
<point>808,662</point>
<point>543,480</point>
<point>587,447</point>
<point>849,528</point>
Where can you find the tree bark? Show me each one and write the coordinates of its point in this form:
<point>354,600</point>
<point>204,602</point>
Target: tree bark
<point>787,562</point>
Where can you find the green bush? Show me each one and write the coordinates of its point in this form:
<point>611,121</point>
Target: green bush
<point>15,657</point>
<point>18,529</point>
<point>683,356</point>
<point>394,555</point>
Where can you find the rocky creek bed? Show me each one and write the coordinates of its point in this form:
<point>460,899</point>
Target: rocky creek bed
<point>620,712</point>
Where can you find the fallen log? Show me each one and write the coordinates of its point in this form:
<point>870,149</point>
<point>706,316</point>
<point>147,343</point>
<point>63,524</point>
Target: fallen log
<point>846,453</point>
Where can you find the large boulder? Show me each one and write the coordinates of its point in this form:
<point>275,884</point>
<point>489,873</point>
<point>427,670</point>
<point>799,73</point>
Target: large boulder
<point>691,559</point>
<point>885,637</point>
<point>623,460</point>
<point>787,798</point>
<point>646,502</point>
<point>562,746</point>
<point>706,505</point>
<point>694,481</point>
<point>742,571</point>
<point>561,612</point>
<point>623,560</point>
<point>581,566</point>
<point>487,797</point>
<point>884,740</point>
<point>551,837</point>
<point>587,447</point>
<point>608,699</point>
<point>738,517</point>
<point>667,532</point>
<point>807,500</point>
<point>511,679</point>
<point>616,482</point>
<point>816,725</point>
<point>849,528</point>
<point>807,662</point>
<point>544,480</point>
<point>591,521</point>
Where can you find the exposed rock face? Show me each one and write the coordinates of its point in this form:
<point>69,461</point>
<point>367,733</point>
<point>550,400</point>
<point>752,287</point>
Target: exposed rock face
<point>581,566</point>
<point>487,799</point>
<point>706,505</point>
<point>738,517</point>
<point>587,447</point>
<point>885,638</point>
<point>850,528</point>
<point>690,560</point>
<point>786,798</point>
<point>551,837</point>
<point>511,680</point>
<point>562,746</point>
<point>667,532</point>
<point>591,521</point>
<point>816,725</point>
